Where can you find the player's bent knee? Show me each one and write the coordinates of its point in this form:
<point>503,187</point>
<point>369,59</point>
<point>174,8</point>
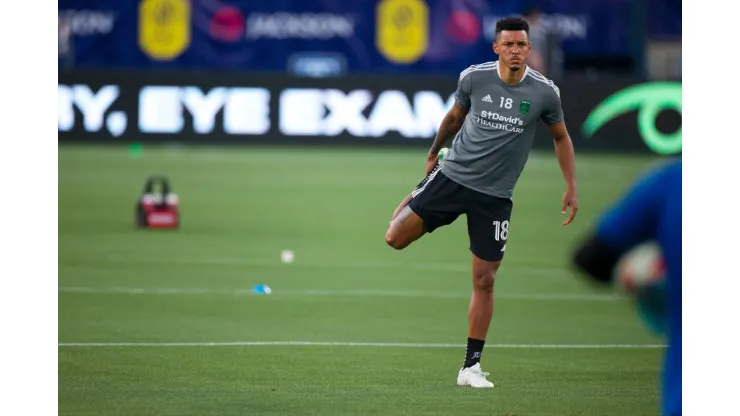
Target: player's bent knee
<point>404,229</point>
<point>395,239</point>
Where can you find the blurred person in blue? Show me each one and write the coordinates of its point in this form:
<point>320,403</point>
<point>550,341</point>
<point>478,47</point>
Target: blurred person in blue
<point>650,211</point>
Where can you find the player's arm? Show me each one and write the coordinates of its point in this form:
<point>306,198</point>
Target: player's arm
<point>553,117</point>
<point>565,153</point>
<point>451,124</point>
<point>453,120</point>
<point>629,222</point>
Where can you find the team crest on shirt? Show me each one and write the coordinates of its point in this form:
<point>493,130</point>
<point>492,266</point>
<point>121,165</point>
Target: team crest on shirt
<point>524,106</point>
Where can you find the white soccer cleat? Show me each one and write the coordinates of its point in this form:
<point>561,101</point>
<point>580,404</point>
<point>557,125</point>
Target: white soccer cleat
<point>473,377</point>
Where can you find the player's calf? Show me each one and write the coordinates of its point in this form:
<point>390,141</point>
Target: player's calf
<point>481,303</point>
<point>404,229</point>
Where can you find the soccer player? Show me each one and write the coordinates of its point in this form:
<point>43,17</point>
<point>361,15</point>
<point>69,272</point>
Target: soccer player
<point>650,211</point>
<point>493,119</point>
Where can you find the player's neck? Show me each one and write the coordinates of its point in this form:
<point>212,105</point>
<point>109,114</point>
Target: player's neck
<point>511,77</point>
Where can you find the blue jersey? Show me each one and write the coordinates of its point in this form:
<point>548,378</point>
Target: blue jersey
<point>651,210</point>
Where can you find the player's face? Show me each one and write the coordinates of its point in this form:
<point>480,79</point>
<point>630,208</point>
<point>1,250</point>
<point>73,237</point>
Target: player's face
<point>512,47</point>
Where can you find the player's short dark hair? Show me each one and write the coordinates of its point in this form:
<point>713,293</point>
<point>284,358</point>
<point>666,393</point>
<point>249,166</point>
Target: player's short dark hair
<point>512,23</point>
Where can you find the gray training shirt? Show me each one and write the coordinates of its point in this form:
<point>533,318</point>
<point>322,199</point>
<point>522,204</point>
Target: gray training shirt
<point>489,152</point>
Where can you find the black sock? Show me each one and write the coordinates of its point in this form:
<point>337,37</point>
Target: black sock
<point>473,352</point>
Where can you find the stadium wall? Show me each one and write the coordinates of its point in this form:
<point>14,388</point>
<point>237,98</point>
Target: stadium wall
<point>205,107</point>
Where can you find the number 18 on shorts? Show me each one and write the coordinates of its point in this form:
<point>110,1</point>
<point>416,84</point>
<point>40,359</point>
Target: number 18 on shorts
<point>488,226</point>
<point>501,232</point>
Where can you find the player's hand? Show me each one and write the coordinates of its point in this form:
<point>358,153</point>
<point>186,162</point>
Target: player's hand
<point>432,159</point>
<point>570,199</point>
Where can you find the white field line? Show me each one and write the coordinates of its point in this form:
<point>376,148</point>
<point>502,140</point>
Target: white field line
<point>538,271</point>
<point>352,344</point>
<point>359,292</point>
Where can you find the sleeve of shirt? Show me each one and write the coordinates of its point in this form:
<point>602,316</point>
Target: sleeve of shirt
<point>553,110</point>
<point>462,94</point>
<point>634,218</point>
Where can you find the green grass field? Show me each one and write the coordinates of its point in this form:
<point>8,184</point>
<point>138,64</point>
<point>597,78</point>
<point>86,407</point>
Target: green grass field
<point>145,317</point>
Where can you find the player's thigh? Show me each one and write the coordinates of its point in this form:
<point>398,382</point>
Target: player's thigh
<point>488,226</point>
<point>438,201</point>
<point>404,229</point>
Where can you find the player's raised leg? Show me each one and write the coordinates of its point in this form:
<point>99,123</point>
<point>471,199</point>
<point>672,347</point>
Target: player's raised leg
<point>401,205</point>
<point>405,228</point>
<point>434,203</point>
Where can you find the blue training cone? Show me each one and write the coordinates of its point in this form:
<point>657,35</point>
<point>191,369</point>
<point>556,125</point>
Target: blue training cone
<point>262,290</point>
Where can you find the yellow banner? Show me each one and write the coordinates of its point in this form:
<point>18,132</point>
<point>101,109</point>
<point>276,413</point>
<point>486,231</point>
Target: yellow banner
<point>402,30</point>
<point>164,28</point>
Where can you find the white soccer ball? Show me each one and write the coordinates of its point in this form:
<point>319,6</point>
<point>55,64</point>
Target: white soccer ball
<point>287,256</point>
<point>640,268</point>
